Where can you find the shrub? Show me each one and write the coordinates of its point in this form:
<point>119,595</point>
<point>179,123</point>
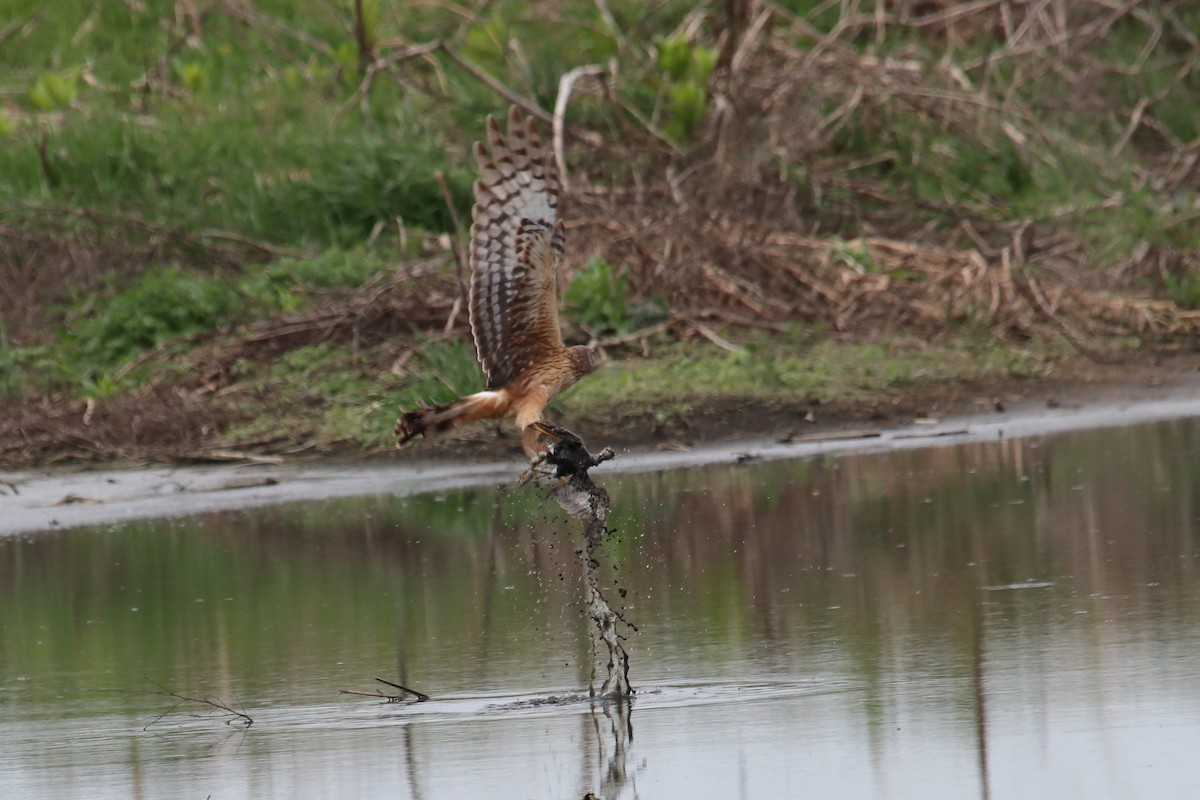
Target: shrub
<point>162,305</point>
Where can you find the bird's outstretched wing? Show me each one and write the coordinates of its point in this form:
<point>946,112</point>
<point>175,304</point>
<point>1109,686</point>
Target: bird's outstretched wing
<point>516,247</point>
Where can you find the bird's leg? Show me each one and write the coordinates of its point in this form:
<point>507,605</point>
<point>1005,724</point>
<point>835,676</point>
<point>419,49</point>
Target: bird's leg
<point>530,473</point>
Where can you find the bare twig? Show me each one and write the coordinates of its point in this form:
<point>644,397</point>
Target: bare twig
<point>610,22</point>
<point>390,698</point>
<point>162,67</point>
<point>362,37</point>
<point>712,336</point>
<point>382,64</point>
<point>636,336</point>
<point>1065,329</point>
<point>266,248</point>
<point>48,172</point>
<point>216,705</point>
<point>454,312</point>
<point>749,40</point>
<point>17,26</point>
<point>460,265</point>
<point>496,86</point>
<point>565,84</point>
<point>421,698</point>
<point>646,124</point>
<point>248,13</point>
<point>132,221</point>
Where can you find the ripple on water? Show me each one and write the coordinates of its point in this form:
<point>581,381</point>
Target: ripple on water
<point>451,708</point>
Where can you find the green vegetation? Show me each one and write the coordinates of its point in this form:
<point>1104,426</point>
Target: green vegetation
<point>793,371</point>
<point>172,177</point>
<point>598,298</point>
<point>686,69</point>
<point>170,306</point>
<point>323,402</point>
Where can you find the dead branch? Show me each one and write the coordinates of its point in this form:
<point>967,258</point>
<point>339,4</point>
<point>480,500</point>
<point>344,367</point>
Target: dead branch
<point>496,86</point>
<point>379,65</point>
<point>418,697</point>
<point>384,63</point>
<point>155,78</point>
<point>565,84</point>
<point>215,705</point>
<point>261,21</point>
<point>130,221</point>
<point>362,38</point>
<point>421,698</point>
<point>456,246</point>
<point>48,173</point>
<point>18,26</point>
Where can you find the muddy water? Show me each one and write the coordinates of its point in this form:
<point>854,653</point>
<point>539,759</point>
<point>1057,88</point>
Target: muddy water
<point>1007,619</point>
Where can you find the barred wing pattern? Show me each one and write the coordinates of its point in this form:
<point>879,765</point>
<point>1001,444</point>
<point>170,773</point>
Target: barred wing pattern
<point>516,247</point>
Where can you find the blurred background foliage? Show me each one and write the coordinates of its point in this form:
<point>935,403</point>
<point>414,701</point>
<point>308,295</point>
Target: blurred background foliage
<point>173,172</point>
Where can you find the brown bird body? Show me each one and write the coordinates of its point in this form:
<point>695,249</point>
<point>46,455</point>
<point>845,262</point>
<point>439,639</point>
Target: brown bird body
<point>516,249</point>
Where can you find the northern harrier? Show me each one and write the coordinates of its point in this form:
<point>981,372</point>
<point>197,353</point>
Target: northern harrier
<point>516,247</point>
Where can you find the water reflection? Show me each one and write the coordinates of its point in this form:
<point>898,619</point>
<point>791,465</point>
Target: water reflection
<point>1004,620</point>
<point>612,729</point>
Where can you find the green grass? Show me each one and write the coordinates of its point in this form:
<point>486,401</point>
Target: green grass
<point>793,371</point>
<point>598,297</point>
<point>330,401</point>
<point>331,398</point>
<point>252,130</point>
<point>165,306</point>
<point>246,136</point>
<point>277,173</point>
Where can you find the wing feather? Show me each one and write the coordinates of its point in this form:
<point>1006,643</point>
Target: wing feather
<point>516,247</point>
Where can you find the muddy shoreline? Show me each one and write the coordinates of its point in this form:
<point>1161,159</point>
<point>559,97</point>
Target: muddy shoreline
<point>39,500</point>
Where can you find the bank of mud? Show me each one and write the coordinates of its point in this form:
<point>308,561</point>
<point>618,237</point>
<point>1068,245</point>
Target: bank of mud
<point>51,499</point>
<point>155,430</point>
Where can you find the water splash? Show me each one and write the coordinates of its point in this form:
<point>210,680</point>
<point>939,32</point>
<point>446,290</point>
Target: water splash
<point>586,502</point>
<point>566,461</point>
<point>616,681</point>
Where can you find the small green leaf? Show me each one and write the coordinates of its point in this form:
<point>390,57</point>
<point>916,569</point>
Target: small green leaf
<point>52,92</point>
<point>345,55</point>
<point>39,97</point>
<point>674,56</point>
<point>193,76</point>
<point>687,103</point>
<point>704,61</point>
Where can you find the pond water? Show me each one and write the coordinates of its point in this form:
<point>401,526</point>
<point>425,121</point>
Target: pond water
<point>1007,619</point>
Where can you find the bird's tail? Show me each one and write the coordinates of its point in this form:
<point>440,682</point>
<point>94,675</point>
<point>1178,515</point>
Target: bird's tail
<point>439,419</point>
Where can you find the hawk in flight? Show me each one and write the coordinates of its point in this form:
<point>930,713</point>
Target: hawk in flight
<point>516,247</point>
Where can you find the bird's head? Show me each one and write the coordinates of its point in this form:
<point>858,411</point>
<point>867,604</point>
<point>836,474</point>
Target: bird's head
<point>584,359</point>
